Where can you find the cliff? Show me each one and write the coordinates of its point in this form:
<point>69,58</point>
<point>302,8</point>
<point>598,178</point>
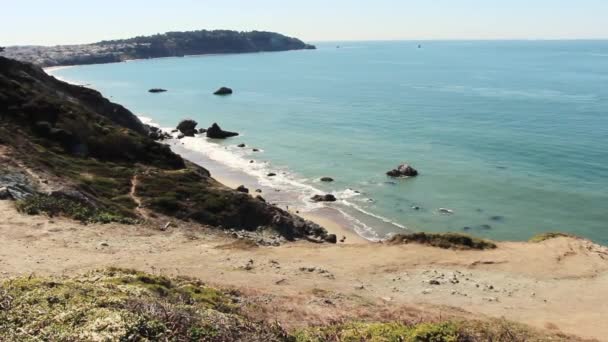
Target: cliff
<point>69,151</point>
<point>171,44</point>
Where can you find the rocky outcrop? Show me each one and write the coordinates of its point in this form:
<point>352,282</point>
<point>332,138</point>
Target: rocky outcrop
<point>187,127</point>
<point>324,198</point>
<point>403,170</point>
<point>215,132</point>
<point>242,189</point>
<point>223,91</point>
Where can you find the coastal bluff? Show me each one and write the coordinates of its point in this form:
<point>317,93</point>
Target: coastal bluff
<point>170,44</point>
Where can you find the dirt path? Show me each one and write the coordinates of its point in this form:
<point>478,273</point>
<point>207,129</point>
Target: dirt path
<point>561,284</point>
<point>132,193</point>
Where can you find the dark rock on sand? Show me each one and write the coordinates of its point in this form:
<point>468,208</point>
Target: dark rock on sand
<point>272,174</point>
<point>157,90</point>
<point>202,131</point>
<point>223,91</point>
<point>327,179</point>
<point>181,136</point>
<point>258,197</point>
<point>258,191</point>
<point>242,189</point>
<point>403,170</point>
<point>331,238</point>
<point>324,198</point>
<point>215,132</point>
<point>188,127</point>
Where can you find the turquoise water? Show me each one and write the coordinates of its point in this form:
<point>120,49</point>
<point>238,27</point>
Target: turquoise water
<point>512,136</point>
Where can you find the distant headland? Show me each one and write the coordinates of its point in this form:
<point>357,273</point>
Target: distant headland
<point>170,44</point>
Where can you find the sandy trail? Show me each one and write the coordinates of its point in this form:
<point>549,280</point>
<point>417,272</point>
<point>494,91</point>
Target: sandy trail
<point>561,284</point>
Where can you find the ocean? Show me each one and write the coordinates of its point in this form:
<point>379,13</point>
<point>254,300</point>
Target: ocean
<point>512,136</point>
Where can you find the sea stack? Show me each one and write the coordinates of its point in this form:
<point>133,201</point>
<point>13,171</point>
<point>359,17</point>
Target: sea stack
<point>215,132</point>
<point>187,127</point>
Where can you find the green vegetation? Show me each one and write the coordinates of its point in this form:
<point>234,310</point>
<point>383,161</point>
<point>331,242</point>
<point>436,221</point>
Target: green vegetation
<point>548,236</point>
<point>54,206</point>
<point>444,240</point>
<point>123,305</point>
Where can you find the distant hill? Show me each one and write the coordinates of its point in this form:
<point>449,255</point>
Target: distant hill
<point>170,44</point>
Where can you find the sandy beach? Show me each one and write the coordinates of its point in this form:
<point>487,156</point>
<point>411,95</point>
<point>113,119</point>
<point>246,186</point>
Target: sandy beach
<point>524,282</point>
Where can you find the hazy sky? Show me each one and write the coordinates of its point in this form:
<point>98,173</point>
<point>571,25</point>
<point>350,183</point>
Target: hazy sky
<point>82,21</point>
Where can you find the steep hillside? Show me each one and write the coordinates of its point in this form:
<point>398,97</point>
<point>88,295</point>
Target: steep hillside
<point>68,150</point>
<point>170,44</point>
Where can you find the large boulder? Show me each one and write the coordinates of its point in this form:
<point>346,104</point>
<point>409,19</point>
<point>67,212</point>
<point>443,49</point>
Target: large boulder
<point>187,127</point>
<point>215,132</point>
<point>324,198</point>
<point>223,91</point>
<point>403,170</point>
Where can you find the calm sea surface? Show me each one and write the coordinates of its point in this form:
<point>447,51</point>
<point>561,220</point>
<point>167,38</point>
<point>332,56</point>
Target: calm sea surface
<point>511,136</point>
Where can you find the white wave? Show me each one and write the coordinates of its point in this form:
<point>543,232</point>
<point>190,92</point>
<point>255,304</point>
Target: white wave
<point>239,159</point>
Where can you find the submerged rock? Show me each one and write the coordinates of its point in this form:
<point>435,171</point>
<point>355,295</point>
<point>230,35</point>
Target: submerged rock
<point>187,127</point>
<point>324,198</point>
<point>157,90</point>
<point>215,132</point>
<point>223,91</point>
<point>403,170</point>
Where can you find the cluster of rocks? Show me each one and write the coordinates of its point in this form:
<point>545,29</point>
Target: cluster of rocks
<point>187,128</point>
<point>403,170</point>
<point>157,134</point>
<point>263,240</point>
<point>323,272</point>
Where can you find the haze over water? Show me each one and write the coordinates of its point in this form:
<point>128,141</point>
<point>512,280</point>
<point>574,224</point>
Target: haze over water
<point>512,136</point>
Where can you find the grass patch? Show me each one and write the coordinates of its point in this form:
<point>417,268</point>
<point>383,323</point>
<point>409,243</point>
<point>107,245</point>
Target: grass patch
<point>550,235</point>
<point>60,206</point>
<point>443,240</point>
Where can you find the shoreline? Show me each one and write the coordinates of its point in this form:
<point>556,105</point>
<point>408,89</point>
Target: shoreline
<point>329,218</point>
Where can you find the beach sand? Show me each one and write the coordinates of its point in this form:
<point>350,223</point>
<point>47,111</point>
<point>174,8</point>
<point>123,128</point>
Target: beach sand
<point>330,219</point>
<point>559,284</point>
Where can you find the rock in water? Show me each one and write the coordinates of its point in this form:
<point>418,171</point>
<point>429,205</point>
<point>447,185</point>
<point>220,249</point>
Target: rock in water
<point>403,170</point>
<point>157,90</point>
<point>242,189</point>
<point>324,198</point>
<point>188,127</point>
<point>215,132</point>
<point>327,179</point>
<point>223,91</point>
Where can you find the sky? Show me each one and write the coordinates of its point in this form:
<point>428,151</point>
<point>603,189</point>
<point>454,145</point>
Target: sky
<point>44,22</point>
